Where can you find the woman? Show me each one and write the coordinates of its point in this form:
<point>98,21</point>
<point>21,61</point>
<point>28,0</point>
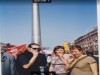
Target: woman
<point>85,65</point>
<point>58,61</point>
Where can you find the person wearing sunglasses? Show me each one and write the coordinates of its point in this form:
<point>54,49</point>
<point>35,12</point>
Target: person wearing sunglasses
<point>31,61</point>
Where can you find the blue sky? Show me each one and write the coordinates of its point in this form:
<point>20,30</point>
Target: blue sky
<point>59,22</point>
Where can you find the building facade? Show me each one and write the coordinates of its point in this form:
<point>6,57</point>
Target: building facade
<point>89,41</point>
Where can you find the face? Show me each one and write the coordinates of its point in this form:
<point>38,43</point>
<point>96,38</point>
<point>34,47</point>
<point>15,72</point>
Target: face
<point>60,51</point>
<point>76,53</point>
<point>34,48</point>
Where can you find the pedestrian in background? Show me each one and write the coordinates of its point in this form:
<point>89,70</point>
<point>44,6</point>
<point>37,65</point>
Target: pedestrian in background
<point>7,62</point>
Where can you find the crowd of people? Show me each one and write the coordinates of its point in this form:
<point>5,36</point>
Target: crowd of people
<point>33,62</point>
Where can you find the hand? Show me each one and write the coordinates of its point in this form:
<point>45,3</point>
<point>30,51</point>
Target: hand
<point>35,52</point>
<point>70,59</point>
<point>60,55</point>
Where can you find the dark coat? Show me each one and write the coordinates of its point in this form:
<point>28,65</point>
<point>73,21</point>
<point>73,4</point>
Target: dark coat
<point>35,67</point>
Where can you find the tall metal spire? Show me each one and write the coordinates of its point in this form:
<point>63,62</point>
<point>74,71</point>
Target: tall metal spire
<point>36,30</point>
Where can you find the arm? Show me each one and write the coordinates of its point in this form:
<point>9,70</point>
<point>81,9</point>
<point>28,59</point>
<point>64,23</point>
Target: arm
<point>64,60</point>
<point>94,68</point>
<point>67,61</point>
<point>32,60</point>
<point>66,68</point>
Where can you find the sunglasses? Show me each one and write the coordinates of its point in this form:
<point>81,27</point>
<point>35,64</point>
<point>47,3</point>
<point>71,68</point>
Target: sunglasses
<point>36,48</point>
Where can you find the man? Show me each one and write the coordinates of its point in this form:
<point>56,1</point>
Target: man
<point>31,61</point>
<point>7,63</point>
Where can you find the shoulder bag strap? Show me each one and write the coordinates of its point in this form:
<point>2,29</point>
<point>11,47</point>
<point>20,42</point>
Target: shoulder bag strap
<point>77,62</point>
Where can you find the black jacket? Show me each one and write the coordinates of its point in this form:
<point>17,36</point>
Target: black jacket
<point>24,59</point>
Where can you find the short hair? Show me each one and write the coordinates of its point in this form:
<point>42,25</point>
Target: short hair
<point>76,47</point>
<point>30,45</point>
<point>58,47</point>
